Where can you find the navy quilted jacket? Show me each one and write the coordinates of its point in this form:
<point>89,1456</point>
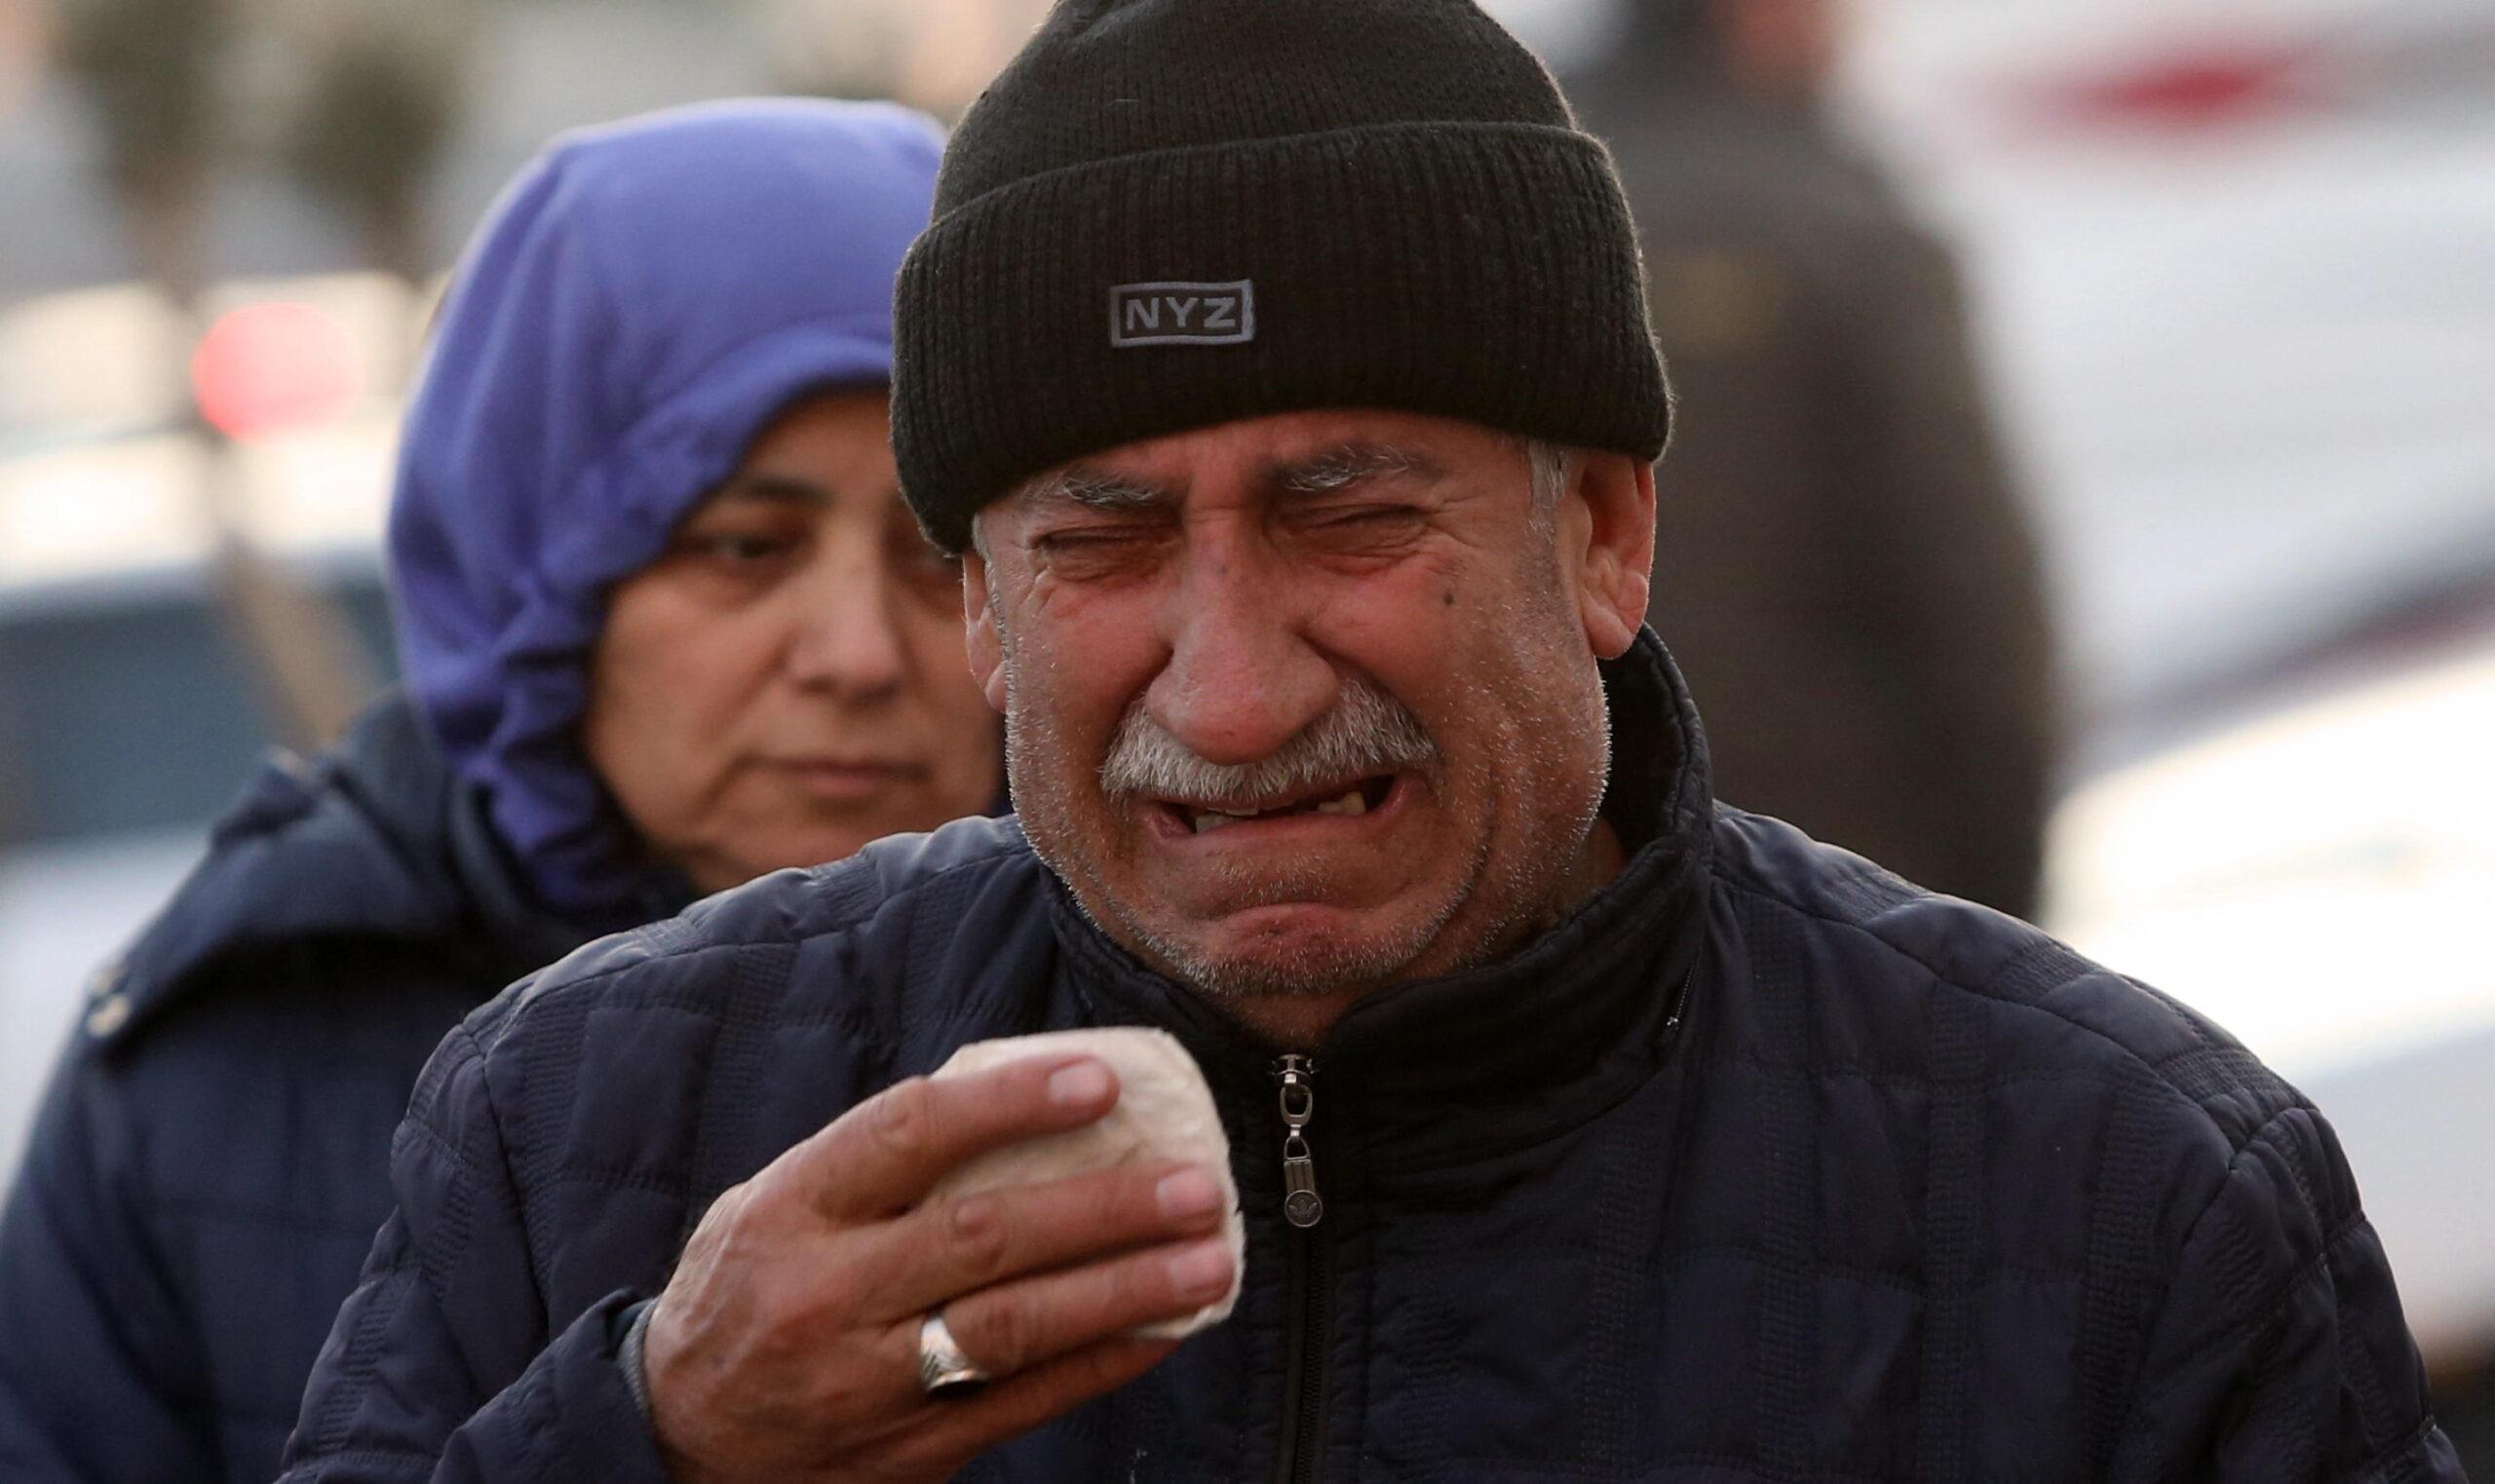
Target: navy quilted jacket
<point>1761,1166</point>
<point>211,1161</point>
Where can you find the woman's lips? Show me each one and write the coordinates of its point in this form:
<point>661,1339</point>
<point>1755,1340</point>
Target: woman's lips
<point>847,780</point>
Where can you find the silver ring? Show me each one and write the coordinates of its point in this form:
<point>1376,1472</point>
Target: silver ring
<point>942,1369</point>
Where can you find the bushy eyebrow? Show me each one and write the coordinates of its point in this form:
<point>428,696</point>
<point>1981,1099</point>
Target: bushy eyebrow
<point>1339,468</point>
<point>1096,491</point>
<point>1322,474</point>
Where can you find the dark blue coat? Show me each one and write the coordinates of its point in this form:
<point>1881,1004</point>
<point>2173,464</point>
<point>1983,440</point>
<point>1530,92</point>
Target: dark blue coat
<point>211,1162</point>
<point>1761,1166</point>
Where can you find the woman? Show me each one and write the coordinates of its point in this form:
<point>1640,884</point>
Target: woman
<point>665,624</point>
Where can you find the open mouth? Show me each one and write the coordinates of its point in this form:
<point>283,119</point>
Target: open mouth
<point>1355,798</point>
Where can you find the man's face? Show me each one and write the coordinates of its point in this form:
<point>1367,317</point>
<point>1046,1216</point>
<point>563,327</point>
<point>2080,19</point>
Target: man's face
<point>1303,704</point>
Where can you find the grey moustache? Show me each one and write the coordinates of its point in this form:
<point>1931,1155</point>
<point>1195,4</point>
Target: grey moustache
<point>1367,731</point>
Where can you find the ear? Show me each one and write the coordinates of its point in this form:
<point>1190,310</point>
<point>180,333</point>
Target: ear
<point>979,630</point>
<point>1618,493</point>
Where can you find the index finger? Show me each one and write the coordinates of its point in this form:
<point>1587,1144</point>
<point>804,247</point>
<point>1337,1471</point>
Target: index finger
<point>887,1152</point>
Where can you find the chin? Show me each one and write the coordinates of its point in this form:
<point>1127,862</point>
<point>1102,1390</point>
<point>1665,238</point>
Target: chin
<point>1300,949</point>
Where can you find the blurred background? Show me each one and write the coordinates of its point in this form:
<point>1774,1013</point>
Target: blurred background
<point>2230,275</point>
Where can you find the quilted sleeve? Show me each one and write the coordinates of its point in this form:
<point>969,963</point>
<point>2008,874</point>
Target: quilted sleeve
<point>439,1367</point>
<point>98,1378</point>
<point>2281,1355</point>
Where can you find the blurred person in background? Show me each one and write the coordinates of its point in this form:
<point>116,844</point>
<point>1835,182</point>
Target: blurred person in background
<point>1842,566</point>
<point>665,625</point>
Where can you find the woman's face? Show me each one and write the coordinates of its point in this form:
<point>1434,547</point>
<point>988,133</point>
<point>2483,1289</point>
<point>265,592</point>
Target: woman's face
<point>787,681</point>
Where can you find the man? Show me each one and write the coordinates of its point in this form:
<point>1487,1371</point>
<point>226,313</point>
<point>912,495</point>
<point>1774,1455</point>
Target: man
<point>1843,570</point>
<point>1284,368</point>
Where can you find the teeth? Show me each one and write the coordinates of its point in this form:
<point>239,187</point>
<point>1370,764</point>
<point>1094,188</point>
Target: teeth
<point>1352,803</point>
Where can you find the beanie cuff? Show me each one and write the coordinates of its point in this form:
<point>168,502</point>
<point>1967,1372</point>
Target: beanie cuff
<point>1480,271</point>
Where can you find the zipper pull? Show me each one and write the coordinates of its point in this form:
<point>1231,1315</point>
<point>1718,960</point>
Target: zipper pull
<point>1302,1206</point>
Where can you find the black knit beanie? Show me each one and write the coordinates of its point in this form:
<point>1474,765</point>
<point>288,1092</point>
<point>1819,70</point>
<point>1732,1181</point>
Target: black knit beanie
<point>1169,213</point>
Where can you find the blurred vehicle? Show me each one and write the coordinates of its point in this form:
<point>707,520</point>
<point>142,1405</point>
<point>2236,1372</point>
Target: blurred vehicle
<point>2315,875</point>
<point>2229,273</point>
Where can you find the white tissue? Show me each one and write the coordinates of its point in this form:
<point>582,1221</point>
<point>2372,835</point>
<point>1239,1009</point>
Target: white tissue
<point>1165,1112</point>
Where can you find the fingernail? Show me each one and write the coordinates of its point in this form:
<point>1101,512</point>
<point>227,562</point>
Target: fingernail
<point>1079,1085</point>
<point>1185,1193</point>
<point>1201,1271</point>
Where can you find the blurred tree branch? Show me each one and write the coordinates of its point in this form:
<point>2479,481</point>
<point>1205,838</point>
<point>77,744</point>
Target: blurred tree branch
<point>382,83</point>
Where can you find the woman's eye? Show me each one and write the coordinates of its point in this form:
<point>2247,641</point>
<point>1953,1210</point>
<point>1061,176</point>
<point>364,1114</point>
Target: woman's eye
<point>741,549</point>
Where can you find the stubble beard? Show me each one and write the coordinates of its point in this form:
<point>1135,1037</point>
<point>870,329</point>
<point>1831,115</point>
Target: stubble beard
<point>1304,965</point>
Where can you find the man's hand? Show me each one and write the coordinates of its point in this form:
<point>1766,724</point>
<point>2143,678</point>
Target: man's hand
<point>785,1347</point>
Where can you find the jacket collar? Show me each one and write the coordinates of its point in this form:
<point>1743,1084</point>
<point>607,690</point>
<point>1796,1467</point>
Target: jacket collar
<point>371,839</point>
<point>1523,1048</point>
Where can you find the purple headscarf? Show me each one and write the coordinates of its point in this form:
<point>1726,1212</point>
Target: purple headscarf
<point>641,304</point>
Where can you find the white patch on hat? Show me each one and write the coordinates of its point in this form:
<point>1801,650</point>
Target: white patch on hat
<point>1182,314</point>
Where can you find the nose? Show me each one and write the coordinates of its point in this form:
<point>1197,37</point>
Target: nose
<point>847,641</point>
<point>1242,679</point>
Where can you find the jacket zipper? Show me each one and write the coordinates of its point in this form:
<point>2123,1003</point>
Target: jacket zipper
<point>1302,1458</point>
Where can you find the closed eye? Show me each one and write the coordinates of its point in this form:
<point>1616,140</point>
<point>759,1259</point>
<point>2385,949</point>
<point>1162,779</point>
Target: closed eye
<point>1075,540</point>
<point>1369,515</point>
<point>1094,538</point>
<point>1360,524</point>
<point>1099,553</point>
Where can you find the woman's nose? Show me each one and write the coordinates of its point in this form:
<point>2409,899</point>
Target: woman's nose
<point>847,640</point>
